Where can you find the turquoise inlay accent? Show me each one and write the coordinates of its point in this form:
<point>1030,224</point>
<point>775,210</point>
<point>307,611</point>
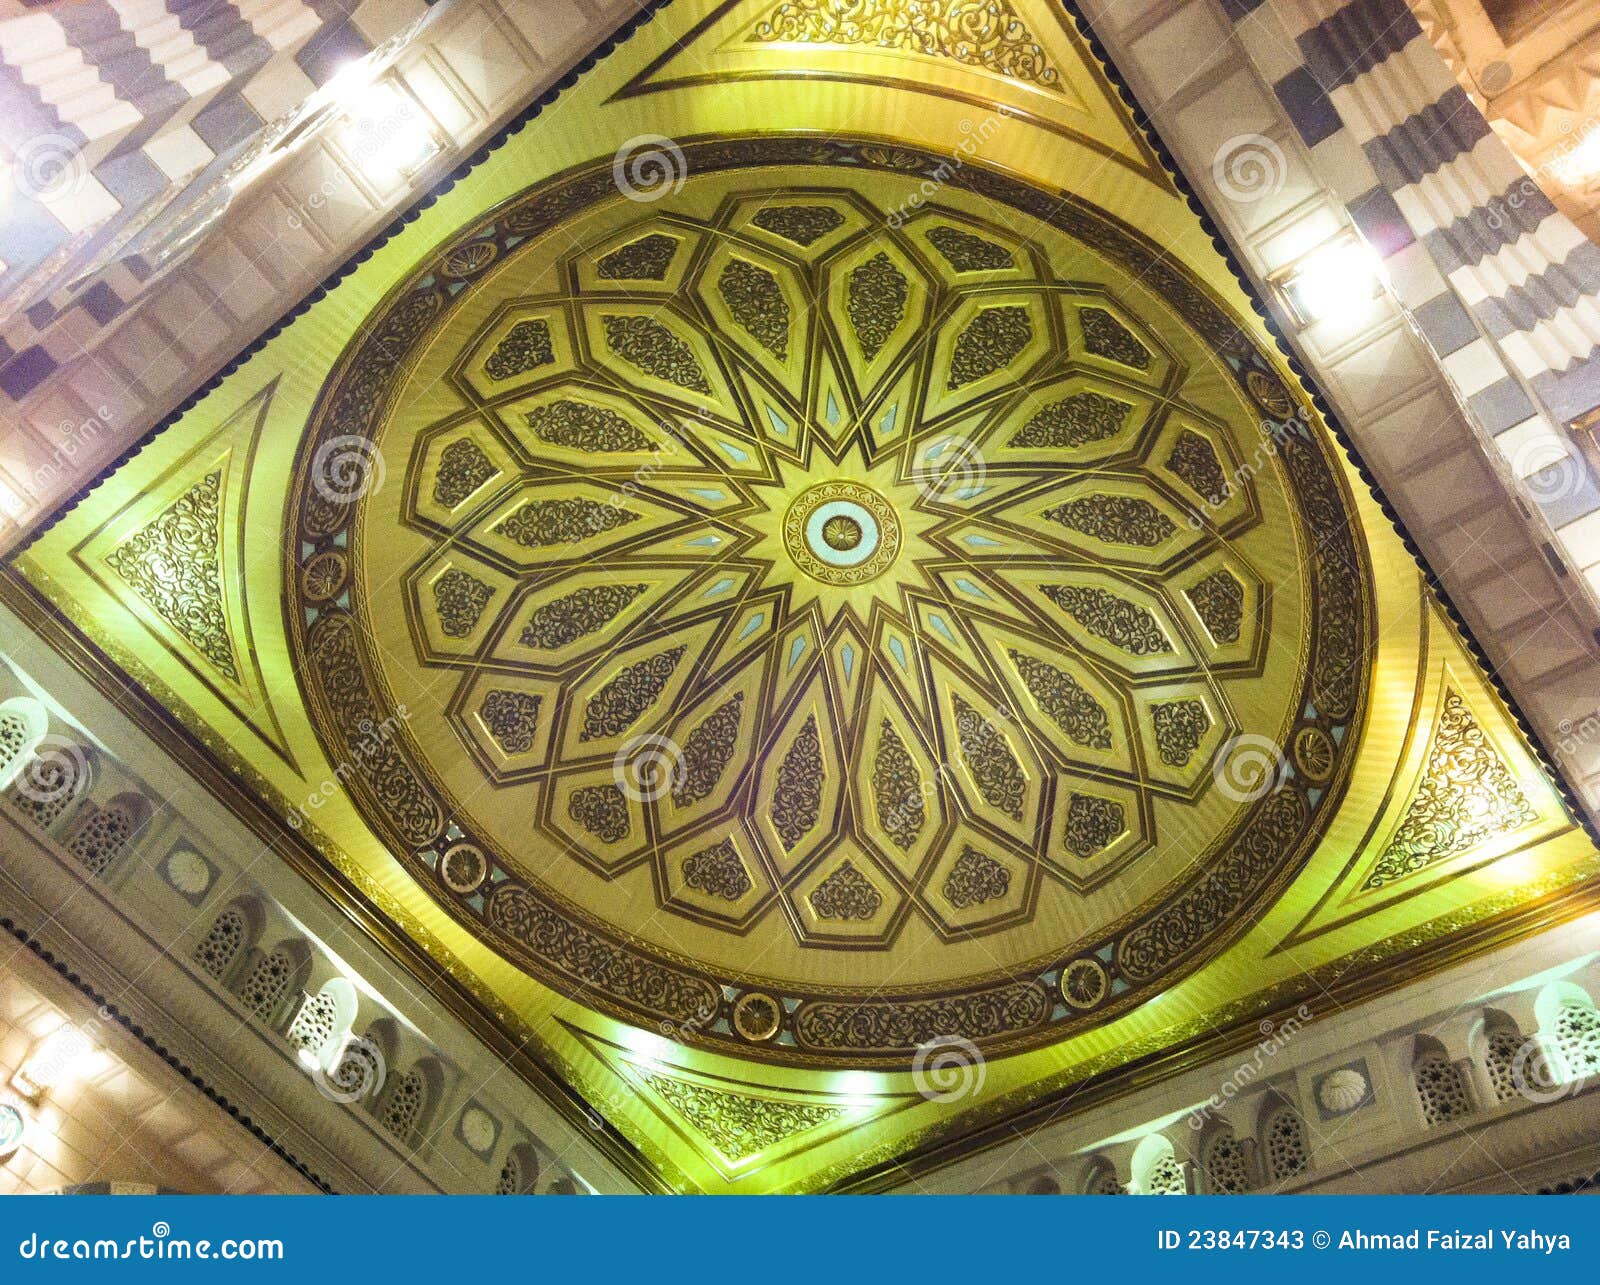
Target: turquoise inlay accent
<point>966,586</point>
<point>886,424</point>
<point>847,653</point>
<point>707,493</point>
<point>779,424</point>
<point>833,410</point>
<point>756,621</point>
<point>1314,796</point>
<point>980,541</point>
<point>735,454</point>
<point>899,651</point>
<point>796,650</point>
<point>711,540</point>
<point>937,622</point>
<point>722,586</point>
<point>937,449</point>
<point>967,492</point>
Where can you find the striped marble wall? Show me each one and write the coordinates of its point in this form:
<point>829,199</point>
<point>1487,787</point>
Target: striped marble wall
<point>1503,286</point>
<point>117,118</point>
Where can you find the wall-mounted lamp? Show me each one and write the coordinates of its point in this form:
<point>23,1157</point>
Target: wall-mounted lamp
<point>1577,164</point>
<point>1336,281</point>
<point>64,1055</point>
<point>384,130</point>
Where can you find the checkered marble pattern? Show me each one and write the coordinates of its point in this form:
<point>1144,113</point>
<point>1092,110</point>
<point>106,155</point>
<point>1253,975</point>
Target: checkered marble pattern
<point>115,112</point>
<point>1505,288</point>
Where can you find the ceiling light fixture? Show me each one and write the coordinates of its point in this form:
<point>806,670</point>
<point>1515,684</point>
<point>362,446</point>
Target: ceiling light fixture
<point>66,1054</point>
<point>1578,164</point>
<point>385,131</point>
<point>1334,282</point>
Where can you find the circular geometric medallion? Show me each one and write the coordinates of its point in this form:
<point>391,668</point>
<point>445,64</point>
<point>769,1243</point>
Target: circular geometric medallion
<point>841,533</point>
<point>463,868</point>
<point>804,589</point>
<point>1084,983</point>
<point>757,1016</point>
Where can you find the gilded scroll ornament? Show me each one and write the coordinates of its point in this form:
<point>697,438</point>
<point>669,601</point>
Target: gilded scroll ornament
<point>1105,336</point>
<point>1115,519</point>
<point>846,894</point>
<point>717,871</point>
<point>1467,795</point>
<point>512,719</point>
<point>977,33</point>
<point>646,259</point>
<point>1075,420</point>
<point>463,468</point>
<point>526,347</point>
<point>738,1124</point>
<point>579,426</point>
<point>975,878</point>
<point>1065,700</point>
<point>802,224</point>
<point>1121,623</point>
<point>174,564</point>
<point>576,615</point>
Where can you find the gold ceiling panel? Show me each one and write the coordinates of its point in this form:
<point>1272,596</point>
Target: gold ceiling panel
<point>871,627</point>
<point>849,598</point>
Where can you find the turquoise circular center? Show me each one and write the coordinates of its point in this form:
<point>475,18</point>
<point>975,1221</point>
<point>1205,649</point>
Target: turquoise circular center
<point>842,533</point>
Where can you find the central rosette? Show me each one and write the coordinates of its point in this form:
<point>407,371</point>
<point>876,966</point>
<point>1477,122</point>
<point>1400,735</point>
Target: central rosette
<point>841,533</point>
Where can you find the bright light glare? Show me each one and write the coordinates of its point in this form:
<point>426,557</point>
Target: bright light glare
<point>385,131</point>
<point>1335,282</point>
<point>1582,163</point>
<point>65,1054</point>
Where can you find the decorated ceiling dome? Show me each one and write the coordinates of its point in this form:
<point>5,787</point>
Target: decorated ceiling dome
<point>823,652</point>
<point>824,615</point>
